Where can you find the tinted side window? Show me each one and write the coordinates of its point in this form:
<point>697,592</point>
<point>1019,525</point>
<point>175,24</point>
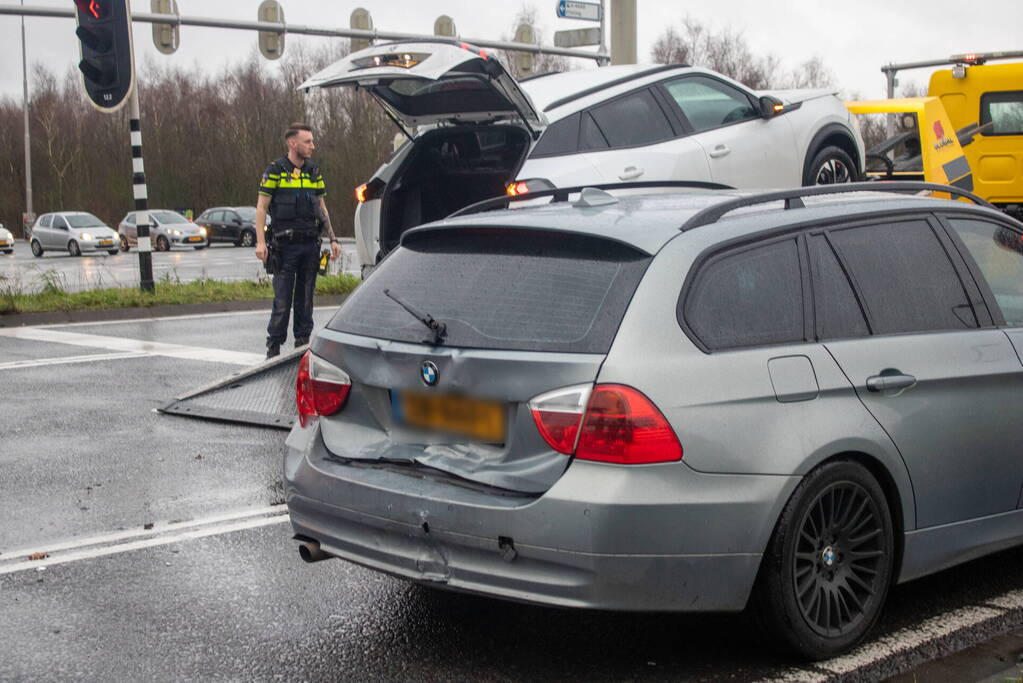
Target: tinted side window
<point>1005,112</point>
<point>590,137</point>
<point>561,137</point>
<point>709,103</point>
<point>750,297</point>
<point>998,252</point>
<point>838,313</point>
<point>635,119</point>
<point>59,223</point>
<point>905,276</point>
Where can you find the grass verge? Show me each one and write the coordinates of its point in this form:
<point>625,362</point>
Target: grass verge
<point>53,298</point>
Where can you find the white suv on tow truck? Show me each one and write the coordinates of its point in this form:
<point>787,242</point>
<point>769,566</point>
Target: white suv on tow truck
<point>476,133</point>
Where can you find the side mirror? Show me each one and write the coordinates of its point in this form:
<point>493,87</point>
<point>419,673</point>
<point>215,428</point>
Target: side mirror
<point>236,221</point>
<point>770,106</point>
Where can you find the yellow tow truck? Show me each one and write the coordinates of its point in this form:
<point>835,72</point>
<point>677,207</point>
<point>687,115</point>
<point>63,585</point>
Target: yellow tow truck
<point>967,131</point>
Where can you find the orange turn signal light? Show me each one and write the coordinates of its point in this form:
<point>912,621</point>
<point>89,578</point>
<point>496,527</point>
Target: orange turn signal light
<point>515,189</point>
<point>360,193</point>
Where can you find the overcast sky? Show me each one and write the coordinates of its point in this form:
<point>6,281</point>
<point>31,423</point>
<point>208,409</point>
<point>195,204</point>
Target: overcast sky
<point>853,38</point>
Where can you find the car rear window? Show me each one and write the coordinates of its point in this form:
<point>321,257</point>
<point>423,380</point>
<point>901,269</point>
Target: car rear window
<point>748,297</point>
<point>500,289</point>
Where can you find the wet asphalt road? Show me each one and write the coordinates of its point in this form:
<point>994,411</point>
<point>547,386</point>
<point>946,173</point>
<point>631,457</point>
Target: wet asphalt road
<point>82,453</point>
<point>220,262</point>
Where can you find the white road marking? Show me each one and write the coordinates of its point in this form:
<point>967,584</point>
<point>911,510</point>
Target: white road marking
<point>14,365</point>
<point>133,345</point>
<point>120,542</point>
<point>191,316</point>
<point>909,639</point>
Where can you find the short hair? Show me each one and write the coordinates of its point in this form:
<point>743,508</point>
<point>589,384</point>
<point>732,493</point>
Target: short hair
<point>293,129</point>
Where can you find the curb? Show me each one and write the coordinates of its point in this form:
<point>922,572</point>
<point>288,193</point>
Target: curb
<point>58,317</point>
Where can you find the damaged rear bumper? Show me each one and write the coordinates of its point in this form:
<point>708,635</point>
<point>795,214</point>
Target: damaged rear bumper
<point>651,538</point>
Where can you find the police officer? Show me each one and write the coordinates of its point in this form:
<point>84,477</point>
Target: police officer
<point>292,190</point>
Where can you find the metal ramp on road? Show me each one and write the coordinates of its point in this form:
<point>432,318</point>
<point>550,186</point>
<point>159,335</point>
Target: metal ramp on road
<point>262,395</point>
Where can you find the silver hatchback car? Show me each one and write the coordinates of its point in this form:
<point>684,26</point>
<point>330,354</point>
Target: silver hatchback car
<point>693,401</point>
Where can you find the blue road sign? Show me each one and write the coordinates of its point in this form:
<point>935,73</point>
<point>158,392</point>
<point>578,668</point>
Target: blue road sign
<point>573,9</point>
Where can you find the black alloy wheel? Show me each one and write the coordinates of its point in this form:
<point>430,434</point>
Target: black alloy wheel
<point>838,553</point>
<point>831,166</point>
<point>828,567</point>
<point>37,249</point>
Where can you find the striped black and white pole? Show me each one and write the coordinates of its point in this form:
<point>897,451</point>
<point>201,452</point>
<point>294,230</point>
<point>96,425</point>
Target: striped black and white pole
<point>138,182</point>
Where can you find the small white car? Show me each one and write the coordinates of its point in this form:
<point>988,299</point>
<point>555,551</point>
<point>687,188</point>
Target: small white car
<point>166,229</point>
<point>6,240</point>
<point>75,232</point>
<point>476,133</point>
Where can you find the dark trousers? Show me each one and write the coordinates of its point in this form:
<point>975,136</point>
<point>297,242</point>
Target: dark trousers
<point>294,282</point>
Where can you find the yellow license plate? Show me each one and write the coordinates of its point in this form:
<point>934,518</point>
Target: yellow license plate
<point>483,420</point>
<point>194,239</point>
<point>4,244</point>
<point>105,243</point>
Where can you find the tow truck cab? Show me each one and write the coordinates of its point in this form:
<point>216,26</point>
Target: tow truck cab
<point>990,95</point>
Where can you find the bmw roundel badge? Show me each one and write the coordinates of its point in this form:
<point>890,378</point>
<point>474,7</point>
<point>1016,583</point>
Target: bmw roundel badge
<point>429,373</point>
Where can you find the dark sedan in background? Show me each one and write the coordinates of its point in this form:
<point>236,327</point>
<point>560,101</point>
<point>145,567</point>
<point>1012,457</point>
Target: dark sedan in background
<point>234,224</point>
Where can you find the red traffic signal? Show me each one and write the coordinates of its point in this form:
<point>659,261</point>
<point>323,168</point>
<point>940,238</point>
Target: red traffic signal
<point>92,7</point>
<point>107,61</point>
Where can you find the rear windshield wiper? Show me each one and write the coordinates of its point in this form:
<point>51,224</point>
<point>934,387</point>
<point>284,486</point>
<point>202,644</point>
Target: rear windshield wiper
<point>439,329</point>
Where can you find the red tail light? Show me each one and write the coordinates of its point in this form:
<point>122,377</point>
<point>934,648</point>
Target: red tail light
<point>623,426</point>
<point>618,425</point>
<point>320,388</point>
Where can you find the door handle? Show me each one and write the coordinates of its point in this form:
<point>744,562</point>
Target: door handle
<point>719,151</point>
<point>890,380</point>
<point>630,173</point>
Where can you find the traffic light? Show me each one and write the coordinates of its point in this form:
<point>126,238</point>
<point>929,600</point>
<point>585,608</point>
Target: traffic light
<point>108,63</point>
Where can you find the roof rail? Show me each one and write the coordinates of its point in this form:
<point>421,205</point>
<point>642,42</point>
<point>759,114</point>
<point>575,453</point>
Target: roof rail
<point>560,194</point>
<point>793,197</point>
<point>618,81</point>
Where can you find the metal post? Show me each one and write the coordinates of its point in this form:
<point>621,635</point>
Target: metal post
<point>28,140</point>
<point>623,34</point>
<point>889,73</point>
<point>138,180</point>
<point>603,34</point>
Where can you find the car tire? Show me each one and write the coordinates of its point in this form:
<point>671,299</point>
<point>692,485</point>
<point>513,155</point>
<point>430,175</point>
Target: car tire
<point>73,248</point>
<point>37,249</point>
<point>829,564</point>
<point>162,244</point>
<point>124,243</point>
<point>247,239</point>
<point>830,166</point>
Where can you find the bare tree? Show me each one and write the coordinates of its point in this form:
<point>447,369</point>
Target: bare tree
<point>727,52</point>
<point>542,63</point>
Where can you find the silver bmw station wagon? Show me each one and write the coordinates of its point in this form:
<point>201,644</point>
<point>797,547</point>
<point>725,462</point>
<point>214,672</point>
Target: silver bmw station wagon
<point>692,401</point>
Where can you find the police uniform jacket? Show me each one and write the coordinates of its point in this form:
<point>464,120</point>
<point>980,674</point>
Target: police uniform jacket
<point>294,196</point>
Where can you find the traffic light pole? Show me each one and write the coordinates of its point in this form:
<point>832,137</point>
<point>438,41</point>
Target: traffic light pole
<point>138,181</point>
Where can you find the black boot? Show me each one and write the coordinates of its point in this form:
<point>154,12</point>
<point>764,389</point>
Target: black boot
<point>301,341</point>
<point>273,349</point>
